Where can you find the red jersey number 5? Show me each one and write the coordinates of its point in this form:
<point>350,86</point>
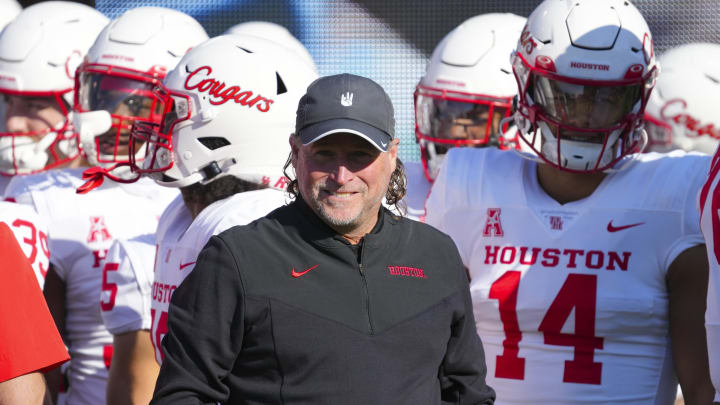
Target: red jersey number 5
<point>108,287</point>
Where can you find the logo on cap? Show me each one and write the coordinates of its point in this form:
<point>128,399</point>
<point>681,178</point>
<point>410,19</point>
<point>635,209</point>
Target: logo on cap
<point>346,99</point>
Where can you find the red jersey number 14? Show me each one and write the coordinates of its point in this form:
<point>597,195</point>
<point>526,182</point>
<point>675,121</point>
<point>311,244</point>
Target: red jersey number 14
<point>579,292</point>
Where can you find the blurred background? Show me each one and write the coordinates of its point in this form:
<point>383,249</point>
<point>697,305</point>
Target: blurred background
<point>390,40</point>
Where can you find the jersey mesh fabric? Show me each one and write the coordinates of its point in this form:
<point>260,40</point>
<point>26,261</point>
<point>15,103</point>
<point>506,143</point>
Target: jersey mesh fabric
<point>580,286</point>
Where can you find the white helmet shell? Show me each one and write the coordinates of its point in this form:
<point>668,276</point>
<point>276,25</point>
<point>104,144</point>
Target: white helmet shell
<point>129,57</point>
<point>686,99</point>
<point>9,9</point>
<point>585,70</point>
<point>145,38</point>
<point>469,72</point>
<point>233,109</point>
<point>39,53</point>
<point>42,47</point>
<point>276,33</point>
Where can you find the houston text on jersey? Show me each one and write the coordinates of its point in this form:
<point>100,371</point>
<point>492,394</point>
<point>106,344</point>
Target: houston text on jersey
<point>594,259</point>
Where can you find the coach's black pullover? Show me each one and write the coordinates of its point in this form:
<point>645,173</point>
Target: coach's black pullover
<point>283,311</point>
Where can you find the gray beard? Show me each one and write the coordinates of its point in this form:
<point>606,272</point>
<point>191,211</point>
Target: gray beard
<point>344,225</point>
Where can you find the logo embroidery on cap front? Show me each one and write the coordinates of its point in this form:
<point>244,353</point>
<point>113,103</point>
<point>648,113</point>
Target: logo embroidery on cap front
<point>346,99</point>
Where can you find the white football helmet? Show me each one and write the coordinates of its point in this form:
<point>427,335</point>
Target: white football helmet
<point>114,85</point>
<point>468,89</point>
<point>39,53</point>
<point>276,33</point>
<point>682,111</point>
<point>9,9</point>
<point>585,70</point>
<point>229,110</point>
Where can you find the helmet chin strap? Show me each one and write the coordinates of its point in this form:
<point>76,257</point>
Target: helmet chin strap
<point>95,176</point>
<point>34,155</point>
<point>512,128</point>
<point>28,155</point>
<point>21,155</point>
<point>89,125</point>
<point>629,162</point>
<point>585,156</point>
<point>624,164</point>
<point>434,160</point>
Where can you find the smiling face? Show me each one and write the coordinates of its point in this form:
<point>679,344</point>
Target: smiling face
<point>344,178</point>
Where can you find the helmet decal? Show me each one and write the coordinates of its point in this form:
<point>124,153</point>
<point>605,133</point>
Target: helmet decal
<point>203,103</point>
<point>682,110</point>
<point>72,63</point>
<point>217,89</point>
<point>693,127</point>
<point>527,41</point>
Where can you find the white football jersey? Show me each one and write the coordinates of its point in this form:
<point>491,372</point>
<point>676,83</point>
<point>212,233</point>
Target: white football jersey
<point>81,229</point>
<point>709,201</point>
<point>570,299</point>
<point>418,188</point>
<point>31,234</point>
<point>180,240</point>
<point>127,280</point>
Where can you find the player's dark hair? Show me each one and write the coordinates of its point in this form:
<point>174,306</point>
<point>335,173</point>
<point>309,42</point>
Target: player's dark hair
<point>397,188</point>
<point>224,187</point>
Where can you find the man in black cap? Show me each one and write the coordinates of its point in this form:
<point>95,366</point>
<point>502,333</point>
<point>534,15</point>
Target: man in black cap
<point>331,299</point>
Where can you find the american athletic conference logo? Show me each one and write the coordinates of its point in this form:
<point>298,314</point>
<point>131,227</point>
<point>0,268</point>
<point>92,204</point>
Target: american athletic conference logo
<point>99,232</point>
<point>493,225</point>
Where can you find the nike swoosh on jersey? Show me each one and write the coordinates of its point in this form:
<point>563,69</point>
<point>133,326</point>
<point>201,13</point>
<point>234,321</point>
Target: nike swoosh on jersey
<point>183,265</point>
<point>612,228</point>
<point>296,274</point>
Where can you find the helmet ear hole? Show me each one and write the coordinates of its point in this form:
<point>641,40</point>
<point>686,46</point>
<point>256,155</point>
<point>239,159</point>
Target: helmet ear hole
<point>281,88</point>
<point>213,142</point>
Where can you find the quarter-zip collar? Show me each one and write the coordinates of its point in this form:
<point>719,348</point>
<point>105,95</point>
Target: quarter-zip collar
<point>311,228</point>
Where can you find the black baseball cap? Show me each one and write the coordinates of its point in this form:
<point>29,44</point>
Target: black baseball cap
<point>349,104</point>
